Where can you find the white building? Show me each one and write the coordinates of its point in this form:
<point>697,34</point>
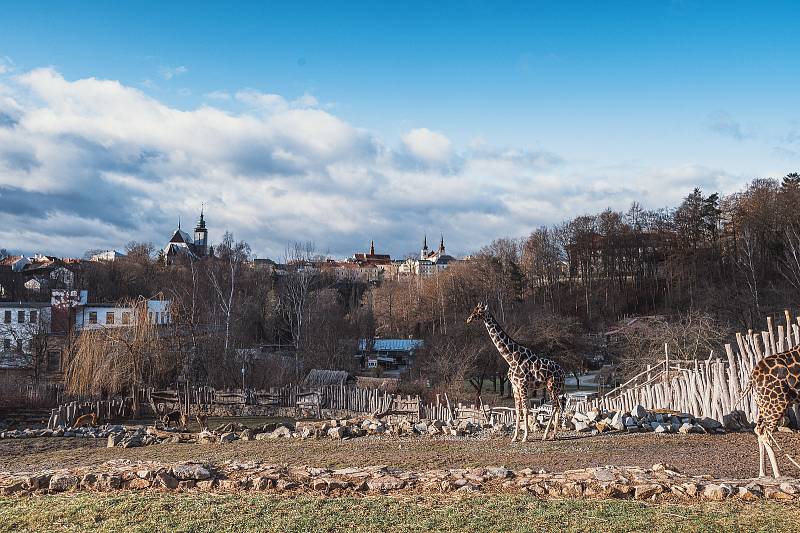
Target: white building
<point>108,255</point>
<point>429,263</point>
<point>109,315</point>
<point>19,323</point>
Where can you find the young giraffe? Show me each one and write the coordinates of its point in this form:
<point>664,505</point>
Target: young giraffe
<point>776,380</point>
<point>526,371</point>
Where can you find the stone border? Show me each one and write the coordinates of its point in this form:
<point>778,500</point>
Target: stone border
<point>653,484</point>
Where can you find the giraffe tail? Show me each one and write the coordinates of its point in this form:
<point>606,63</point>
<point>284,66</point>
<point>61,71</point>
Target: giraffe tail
<point>745,392</point>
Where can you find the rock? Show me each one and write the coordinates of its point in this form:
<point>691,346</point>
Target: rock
<point>385,483</point>
<point>644,492</point>
<point>88,480</point>
<point>748,493</point>
<point>281,431</point>
<point>638,412</point>
<point>190,471</point>
<point>789,488</point>
<point>263,483</point>
<point>630,422</point>
<point>283,485</point>
<point>63,482</point>
<point>165,480</point>
<point>138,483</point>
<point>709,423</point>
<point>39,481</point>
<point>247,434</point>
<point>583,417</point>
<point>581,426</point>
<point>500,473</point>
<point>773,493</point>
<point>337,432</point>
<point>716,492</point>
<point>228,437</point>
<point>17,486</point>
<point>617,422</point>
<point>421,427</point>
<point>206,437</point>
<point>263,436</point>
<point>663,428</point>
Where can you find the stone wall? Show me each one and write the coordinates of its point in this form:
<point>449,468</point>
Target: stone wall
<point>660,482</point>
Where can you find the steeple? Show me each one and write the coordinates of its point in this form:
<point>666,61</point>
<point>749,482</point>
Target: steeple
<point>424,253</point>
<point>201,235</point>
<point>441,246</point>
<point>372,247</point>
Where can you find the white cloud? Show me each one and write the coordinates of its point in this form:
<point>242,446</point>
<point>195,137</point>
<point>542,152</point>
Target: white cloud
<point>93,163</point>
<point>428,146</point>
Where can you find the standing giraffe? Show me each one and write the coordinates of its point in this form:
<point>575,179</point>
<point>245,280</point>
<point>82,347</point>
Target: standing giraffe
<point>526,372</point>
<point>776,381</point>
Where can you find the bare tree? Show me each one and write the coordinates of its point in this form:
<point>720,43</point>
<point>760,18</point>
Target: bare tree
<point>296,289</point>
<point>232,256</point>
<point>120,359</point>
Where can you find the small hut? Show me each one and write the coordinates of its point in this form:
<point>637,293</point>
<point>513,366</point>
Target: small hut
<point>318,378</point>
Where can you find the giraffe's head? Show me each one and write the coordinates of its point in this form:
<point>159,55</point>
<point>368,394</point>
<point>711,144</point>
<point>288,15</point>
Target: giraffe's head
<point>479,312</point>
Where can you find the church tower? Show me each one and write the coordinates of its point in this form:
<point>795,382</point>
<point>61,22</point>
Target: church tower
<point>424,253</point>
<point>441,246</point>
<point>201,236</point>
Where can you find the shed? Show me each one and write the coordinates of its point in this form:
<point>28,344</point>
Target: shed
<point>323,378</point>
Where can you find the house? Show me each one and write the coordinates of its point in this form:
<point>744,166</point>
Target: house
<point>15,262</point>
<point>24,332</point>
<point>107,255</point>
<point>111,315</point>
<point>317,378</point>
<point>390,354</point>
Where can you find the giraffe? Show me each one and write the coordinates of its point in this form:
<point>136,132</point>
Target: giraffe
<point>776,381</point>
<point>526,372</point>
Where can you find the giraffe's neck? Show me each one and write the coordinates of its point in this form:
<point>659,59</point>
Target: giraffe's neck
<point>507,346</point>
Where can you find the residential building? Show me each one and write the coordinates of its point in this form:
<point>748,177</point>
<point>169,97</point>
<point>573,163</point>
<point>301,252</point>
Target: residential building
<point>107,255</point>
<point>388,354</point>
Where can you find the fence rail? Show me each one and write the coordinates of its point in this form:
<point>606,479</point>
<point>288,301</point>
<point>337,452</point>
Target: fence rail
<point>707,388</point>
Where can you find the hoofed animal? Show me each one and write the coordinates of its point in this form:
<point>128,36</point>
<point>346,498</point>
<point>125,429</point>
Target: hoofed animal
<point>526,372</point>
<point>89,419</point>
<point>202,420</point>
<point>177,417</point>
<point>776,382</point>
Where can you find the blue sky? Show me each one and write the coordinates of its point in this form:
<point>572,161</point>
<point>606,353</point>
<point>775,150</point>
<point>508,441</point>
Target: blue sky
<point>541,110</point>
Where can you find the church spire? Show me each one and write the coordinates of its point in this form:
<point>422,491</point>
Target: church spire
<point>372,247</point>
<point>441,245</point>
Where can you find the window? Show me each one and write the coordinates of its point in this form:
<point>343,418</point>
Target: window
<point>7,343</point>
<point>8,317</point>
<point>34,316</point>
<point>156,322</point>
<point>53,361</point>
<point>126,317</point>
<point>109,317</point>
<point>92,317</point>
<point>20,317</point>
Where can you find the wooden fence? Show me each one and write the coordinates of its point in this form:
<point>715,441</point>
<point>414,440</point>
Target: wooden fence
<point>707,388</point>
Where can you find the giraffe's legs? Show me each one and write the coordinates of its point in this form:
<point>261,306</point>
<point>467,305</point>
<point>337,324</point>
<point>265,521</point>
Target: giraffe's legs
<point>556,401</point>
<point>518,417</point>
<point>523,396</point>
<point>761,458</point>
<point>771,454</point>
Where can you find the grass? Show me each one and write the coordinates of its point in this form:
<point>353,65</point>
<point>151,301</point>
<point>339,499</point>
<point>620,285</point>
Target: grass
<point>242,512</point>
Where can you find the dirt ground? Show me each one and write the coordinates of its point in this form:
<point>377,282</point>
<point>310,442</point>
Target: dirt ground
<point>730,455</point>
